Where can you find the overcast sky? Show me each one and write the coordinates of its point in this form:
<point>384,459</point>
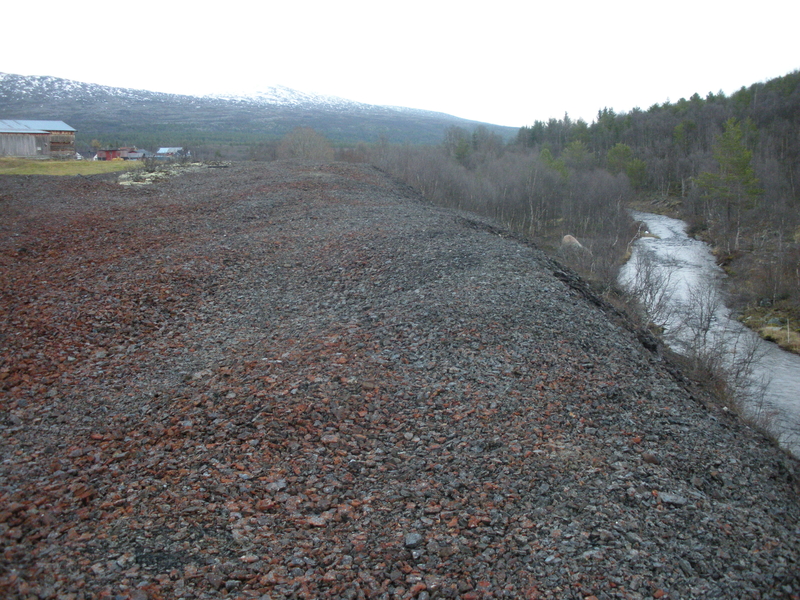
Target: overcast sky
<point>503,62</point>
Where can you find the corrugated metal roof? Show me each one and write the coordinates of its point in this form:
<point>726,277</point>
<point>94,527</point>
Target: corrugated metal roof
<point>12,126</point>
<point>17,127</point>
<point>168,150</point>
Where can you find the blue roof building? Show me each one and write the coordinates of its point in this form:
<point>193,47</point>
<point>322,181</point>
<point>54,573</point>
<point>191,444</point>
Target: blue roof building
<point>36,138</point>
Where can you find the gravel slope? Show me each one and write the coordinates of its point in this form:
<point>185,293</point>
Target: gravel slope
<point>302,381</point>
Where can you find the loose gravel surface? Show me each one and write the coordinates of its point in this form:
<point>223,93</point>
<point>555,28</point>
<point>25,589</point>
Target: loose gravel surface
<point>293,380</point>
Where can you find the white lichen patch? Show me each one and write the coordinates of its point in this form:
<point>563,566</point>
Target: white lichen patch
<point>163,172</point>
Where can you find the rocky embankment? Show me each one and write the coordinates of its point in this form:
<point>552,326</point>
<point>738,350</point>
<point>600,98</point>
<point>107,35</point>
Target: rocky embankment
<point>302,381</point>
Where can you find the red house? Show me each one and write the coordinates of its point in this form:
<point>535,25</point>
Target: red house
<point>123,153</point>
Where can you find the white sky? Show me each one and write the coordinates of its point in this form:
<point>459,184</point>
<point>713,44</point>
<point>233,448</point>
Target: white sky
<point>507,62</point>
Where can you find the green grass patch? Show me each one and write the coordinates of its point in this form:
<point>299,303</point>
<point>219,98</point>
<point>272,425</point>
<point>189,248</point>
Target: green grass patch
<point>24,166</point>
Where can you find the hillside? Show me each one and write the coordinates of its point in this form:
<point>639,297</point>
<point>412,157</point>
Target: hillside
<point>294,380</point>
<point>151,119</point>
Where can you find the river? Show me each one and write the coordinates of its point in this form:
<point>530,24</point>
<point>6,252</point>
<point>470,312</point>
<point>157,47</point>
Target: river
<point>680,284</point>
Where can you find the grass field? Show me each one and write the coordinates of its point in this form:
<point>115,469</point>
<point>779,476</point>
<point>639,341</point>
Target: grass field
<point>23,166</point>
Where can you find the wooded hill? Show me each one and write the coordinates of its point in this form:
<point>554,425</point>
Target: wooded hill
<point>676,140</point>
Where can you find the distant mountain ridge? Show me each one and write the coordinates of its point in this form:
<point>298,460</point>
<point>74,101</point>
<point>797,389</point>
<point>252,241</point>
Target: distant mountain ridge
<point>145,118</point>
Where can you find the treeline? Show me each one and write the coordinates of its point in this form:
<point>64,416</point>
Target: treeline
<point>529,190</point>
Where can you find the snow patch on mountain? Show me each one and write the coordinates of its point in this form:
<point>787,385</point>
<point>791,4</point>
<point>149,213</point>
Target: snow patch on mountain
<point>280,95</point>
<point>55,88</point>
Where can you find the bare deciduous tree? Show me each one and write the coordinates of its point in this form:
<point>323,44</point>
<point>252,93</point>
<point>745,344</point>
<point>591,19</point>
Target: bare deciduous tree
<point>305,143</point>
<point>651,287</point>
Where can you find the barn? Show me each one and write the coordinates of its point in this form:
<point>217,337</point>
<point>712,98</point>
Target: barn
<point>44,139</point>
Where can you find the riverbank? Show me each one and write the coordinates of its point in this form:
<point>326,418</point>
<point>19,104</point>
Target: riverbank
<point>775,320</point>
<point>774,324</point>
<point>292,380</point>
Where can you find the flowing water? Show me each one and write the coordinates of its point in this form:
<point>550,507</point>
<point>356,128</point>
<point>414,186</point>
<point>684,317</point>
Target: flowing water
<point>679,283</point>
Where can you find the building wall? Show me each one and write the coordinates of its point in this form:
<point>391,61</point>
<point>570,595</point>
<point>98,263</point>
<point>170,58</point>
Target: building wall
<point>17,144</point>
<point>29,144</point>
<point>62,143</point>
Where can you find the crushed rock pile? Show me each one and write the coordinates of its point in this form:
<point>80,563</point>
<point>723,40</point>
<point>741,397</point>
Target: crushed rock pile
<point>294,380</point>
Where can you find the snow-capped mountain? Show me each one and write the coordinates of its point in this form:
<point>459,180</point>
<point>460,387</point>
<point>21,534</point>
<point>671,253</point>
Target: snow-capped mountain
<point>129,116</point>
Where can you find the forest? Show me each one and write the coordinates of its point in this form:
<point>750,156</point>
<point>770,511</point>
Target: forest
<point>728,165</point>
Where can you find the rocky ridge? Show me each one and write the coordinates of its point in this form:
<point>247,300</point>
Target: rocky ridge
<point>294,380</point>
